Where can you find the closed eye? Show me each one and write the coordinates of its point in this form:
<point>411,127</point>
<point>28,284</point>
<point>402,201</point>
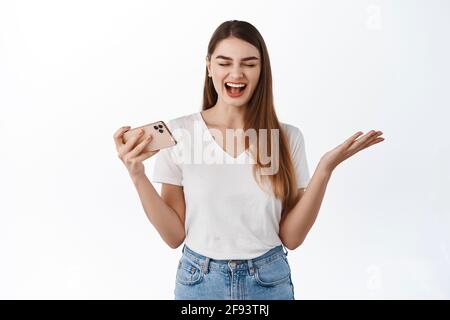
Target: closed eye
<point>247,65</point>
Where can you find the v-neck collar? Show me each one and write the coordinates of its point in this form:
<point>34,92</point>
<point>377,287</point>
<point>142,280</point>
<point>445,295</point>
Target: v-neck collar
<point>202,121</point>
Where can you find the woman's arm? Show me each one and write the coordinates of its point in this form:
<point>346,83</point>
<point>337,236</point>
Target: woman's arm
<point>166,213</point>
<point>296,224</point>
<point>168,220</point>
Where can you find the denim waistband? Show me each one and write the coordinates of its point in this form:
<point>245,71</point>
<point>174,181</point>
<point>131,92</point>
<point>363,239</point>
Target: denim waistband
<point>206,263</point>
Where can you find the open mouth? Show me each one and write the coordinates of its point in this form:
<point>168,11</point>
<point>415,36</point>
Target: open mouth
<point>235,89</point>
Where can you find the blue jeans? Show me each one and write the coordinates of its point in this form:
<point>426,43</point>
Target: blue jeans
<point>267,277</point>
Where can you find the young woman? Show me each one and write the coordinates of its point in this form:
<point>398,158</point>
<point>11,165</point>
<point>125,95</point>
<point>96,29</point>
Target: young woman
<point>234,216</point>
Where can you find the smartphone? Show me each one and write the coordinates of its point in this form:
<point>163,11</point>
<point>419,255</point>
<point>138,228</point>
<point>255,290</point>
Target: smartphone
<point>162,137</point>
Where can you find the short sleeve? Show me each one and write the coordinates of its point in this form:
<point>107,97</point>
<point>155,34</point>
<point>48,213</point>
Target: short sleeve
<point>299,158</point>
<point>166,169</point>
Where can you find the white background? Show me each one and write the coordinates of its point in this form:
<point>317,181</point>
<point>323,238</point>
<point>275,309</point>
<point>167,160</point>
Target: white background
<point>73,72</point>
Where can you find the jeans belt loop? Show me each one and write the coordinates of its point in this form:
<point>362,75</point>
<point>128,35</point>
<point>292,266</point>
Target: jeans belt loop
<point>205,265</point>
<point>251,267</point>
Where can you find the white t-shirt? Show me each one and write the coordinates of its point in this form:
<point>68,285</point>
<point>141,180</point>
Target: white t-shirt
<point>228,215</point>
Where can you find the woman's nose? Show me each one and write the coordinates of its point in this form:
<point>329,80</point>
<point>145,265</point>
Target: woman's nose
<point>237,72</point>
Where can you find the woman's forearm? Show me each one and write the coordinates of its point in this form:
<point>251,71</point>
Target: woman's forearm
<point>163,217</point>
<point>297,223</point>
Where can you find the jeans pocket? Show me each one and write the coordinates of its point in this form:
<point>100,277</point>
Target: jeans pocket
<point>188,273</point>
<point>273,273</point>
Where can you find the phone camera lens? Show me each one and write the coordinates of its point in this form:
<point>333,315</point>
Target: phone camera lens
<point>160,130</point>
<point>160,126</point>
<point>155,127</point>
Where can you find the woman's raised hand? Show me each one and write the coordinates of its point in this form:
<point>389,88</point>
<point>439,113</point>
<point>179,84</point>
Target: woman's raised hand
<point>348,148</point>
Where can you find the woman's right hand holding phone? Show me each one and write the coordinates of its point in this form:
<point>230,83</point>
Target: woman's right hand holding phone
<point>131,153</point>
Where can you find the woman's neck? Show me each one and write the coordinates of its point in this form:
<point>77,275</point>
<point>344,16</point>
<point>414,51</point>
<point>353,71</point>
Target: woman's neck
<point>231,117</point>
